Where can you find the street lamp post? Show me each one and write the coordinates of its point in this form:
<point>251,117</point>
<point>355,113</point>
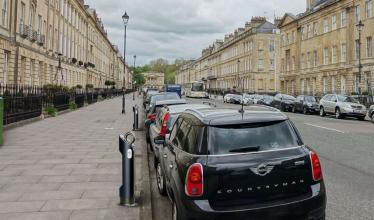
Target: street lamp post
<point>133,86</point>
<point>125,19</point>
<point>360,27</point>
<point>59,68</point>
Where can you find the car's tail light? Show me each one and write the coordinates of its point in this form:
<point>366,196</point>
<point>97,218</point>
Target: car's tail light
<point>152,117</point>
<point>194,180</point>
<point>164,125</point>
<point>316,166</point>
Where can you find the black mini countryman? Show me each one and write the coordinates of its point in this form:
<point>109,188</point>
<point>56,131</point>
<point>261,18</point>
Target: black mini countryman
<point>226,164</point>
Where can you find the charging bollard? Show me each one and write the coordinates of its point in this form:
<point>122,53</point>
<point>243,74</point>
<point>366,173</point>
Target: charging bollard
<point>124,102</point>
<point>135,125</point>
<point>127,190</point>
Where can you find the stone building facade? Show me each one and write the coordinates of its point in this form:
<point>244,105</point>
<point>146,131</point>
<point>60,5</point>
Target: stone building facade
<point>37,35</point>
<point>320,48</point>
<point>154,80</point>
<point>245,59</point>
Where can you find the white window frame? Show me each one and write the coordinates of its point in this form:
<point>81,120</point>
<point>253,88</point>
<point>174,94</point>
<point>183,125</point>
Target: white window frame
<point>333,23</point>
<point>369,46</point>
<point>260,65</point>
<point>4,13</point>
<point>343,18</point>
<point>343,51</point>
<point>357,14</point>
<point>5,70</point>
<point>334,51</point>
<point>369,8</point>
<point>325,25</point>
<point>325,56</point>
<point>315,58</point>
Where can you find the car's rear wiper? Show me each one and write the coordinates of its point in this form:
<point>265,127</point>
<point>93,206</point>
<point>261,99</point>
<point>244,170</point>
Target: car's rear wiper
<point>245,149</point>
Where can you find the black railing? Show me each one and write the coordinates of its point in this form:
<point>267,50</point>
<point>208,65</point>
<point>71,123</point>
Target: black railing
<point>26,102</point>
<point>95,97</point>
<point>61,101</point>
<point>21,103</point>
<point>79,99</point>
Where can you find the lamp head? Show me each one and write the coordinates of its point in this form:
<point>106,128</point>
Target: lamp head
<point>125,18</point>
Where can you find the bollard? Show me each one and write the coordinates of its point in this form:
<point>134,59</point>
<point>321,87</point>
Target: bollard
<point>133,96</point>
<point>123,102</point>
<point>135,125</point>
<point>127,190</point>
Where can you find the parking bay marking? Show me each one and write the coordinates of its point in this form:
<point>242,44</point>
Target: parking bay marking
<point>330,129</point>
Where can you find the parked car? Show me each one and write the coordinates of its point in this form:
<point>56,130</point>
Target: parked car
<point>256,98</point>
<point>147,96</point>
<point>371,113</point>
<point>236,99</point>
<point>227,98</point>
<point>341,106</point>
<point>247,99</point>
<point>165,118</point>
<point>154,106</point>
<point>159,97</point>
<point>220,163</point>
<point>266,100</point>
<point>306,104</point>
<point>283,102</point>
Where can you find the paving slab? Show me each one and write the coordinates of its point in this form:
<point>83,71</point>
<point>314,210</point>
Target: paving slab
<point>9,207</point>
<point>69,167</point>
<point>61,215</point>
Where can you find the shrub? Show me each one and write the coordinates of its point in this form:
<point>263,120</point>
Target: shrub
<point>51,110</point>
<point>89,86</point>
<point>72,105</point>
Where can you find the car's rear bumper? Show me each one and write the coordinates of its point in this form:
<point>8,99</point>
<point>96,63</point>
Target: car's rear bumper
<point>309,209</point>
<point>313,109</point>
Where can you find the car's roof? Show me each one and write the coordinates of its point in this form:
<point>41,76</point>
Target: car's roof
<point>181,108</point>
<point>223,116</point>
<point>171,102</point>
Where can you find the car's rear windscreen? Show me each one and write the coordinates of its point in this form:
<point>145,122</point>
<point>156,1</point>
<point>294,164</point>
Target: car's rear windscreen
<point>264,136</point>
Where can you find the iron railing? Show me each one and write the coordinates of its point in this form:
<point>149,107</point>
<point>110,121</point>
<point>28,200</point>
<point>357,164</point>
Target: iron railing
<point>21,103</point>
<point>26,102</point>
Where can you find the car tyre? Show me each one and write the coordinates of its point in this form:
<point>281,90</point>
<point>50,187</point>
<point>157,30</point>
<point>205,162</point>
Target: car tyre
<point>372,117</point>
<point>160,178</point>
<point>155,162</point>
<point>322,112</point>
<point>176,215</point>
<point>294,109</point>
<point>338,114</point>
<point>305,111</point>
<point>282,108</point>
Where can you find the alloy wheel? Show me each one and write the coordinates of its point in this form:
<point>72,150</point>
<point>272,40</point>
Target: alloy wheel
<point>160,179</point>
<point>337,113</point>
<point>305,111</point>
<point>322,112</point>
<point>294,109</point>
<point>175,211</point>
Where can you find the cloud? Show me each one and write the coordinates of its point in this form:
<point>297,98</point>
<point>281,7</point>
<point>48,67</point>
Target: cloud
<point>174,29</point>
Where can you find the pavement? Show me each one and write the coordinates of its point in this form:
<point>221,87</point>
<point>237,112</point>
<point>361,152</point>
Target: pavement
<point>69,167</point>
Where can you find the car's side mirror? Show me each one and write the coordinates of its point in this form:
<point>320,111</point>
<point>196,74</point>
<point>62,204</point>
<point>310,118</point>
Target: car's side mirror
<point>148,122</point>
<point>159,140</point>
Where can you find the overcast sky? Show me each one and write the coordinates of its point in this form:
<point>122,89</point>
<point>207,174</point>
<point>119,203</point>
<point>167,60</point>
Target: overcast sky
<point>174,29</point>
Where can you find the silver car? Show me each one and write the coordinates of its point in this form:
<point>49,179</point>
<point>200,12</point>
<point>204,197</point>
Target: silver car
<point>341,106</point>
<point>371,113</point>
